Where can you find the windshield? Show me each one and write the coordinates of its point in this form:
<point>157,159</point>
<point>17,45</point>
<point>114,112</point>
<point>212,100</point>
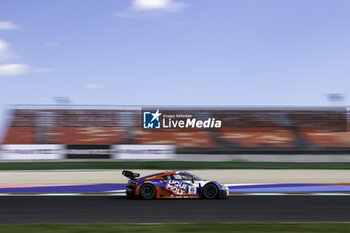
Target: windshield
<point>188,176</point>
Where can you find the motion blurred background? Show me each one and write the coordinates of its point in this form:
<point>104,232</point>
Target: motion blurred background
<point>76,75</point>
<point>84,69</point>
<point>245,130</point>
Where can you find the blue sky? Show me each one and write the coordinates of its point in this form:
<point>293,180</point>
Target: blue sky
<point>207,52</point>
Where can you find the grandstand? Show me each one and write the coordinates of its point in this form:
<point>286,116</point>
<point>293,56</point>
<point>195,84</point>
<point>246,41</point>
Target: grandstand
<point>242,129</point>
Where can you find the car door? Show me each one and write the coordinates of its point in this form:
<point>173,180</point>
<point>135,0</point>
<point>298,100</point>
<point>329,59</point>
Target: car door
<point>192,184</point>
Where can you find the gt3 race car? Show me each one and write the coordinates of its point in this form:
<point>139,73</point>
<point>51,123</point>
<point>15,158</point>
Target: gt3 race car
<point>173,184</point>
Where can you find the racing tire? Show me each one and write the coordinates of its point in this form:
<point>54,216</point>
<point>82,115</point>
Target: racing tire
<point>210,191</point>
<point>148,191</point>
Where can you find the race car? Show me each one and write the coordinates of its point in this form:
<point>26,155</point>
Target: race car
<point>172,184</point>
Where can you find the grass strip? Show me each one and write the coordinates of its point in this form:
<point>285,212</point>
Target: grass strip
<point>183,228</point>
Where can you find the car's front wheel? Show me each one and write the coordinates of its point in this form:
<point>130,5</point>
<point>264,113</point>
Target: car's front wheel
<point>210,191</point>
<point>148,191</point>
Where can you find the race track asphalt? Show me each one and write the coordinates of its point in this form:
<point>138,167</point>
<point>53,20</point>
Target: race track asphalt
<point>112,209</point>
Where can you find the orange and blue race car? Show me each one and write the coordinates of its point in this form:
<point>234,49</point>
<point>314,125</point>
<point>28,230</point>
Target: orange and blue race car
<point>173,184</point>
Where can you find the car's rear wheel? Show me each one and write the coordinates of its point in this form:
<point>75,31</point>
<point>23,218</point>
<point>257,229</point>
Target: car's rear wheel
<point>148,191</point>
<point>210,191</point>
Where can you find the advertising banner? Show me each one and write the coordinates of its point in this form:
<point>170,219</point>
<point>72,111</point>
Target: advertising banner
<point>88,152</point>
<point>144,152</point>
<point>31,152</point>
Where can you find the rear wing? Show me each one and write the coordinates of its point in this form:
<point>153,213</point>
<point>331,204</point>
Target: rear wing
<point>131,175</point>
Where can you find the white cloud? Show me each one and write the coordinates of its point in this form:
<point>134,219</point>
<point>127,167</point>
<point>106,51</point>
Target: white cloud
<point>8,70</point>
<point>93,86</point>
<point>167,5</point>
<point>6,25</point>
<point>5,52</point>
<point>139,6</point>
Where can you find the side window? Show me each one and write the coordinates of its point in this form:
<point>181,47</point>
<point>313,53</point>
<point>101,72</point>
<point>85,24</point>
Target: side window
<point>186,177</point>
<point>177,177</point>
<point>168,177</point>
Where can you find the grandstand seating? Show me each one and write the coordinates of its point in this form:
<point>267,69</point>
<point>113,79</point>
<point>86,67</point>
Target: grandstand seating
<point>20,135</point>
<point>260,137</point>
<point>325,138</point>
<point>87,135</point>
<point>65,127</point>
<point>180,138</point>
<point>240,128</point>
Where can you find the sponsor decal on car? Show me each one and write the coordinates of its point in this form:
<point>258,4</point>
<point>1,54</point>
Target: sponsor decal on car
<point>180,188</point>
<point>192,190</point>
<point>176,187</point>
